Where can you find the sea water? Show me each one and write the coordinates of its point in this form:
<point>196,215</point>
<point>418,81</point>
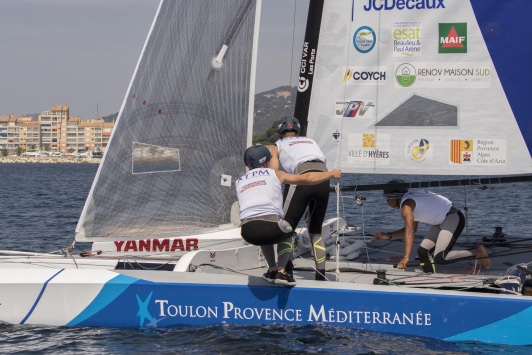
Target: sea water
<point>41,203</point>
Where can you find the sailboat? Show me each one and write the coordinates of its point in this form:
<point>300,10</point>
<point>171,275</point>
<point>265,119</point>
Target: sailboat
<point>161,213</point>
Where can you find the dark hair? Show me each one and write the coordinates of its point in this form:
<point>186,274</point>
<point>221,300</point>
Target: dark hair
<point>403,190</point>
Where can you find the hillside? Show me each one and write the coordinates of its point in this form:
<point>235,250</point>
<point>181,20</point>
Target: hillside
<point>270,107</point>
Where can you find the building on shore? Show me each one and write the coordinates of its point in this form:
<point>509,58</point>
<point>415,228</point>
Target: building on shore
<point>54,130</point>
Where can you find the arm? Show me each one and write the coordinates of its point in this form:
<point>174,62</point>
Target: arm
<point>274,161</point>
<point>407,212</point>
<point>308,178</point>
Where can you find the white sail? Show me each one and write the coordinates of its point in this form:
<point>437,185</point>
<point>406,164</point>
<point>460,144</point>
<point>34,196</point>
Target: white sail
<point>182,129</point>
<point>411,88</point>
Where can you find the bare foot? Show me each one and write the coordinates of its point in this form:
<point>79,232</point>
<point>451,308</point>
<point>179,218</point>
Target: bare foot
<point>483,256</point>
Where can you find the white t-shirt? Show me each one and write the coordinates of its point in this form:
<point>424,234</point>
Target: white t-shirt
<point>430,208</point>
<point>296,150</point>
<point>259,193</point>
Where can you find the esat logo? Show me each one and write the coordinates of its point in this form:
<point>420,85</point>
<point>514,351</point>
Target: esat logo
<point>407,38</point>
<point>364,39</point>
<point>405,74</point>
<point>453,38</point>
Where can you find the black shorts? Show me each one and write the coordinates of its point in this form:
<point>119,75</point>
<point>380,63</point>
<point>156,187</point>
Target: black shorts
<point>297,198</point>
<point>259,232</point>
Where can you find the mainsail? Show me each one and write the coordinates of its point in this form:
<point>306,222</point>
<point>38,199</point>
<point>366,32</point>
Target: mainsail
<point>421,87</point>
<point>184,123</point>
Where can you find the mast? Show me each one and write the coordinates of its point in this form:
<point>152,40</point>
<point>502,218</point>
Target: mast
<point>308,60</point>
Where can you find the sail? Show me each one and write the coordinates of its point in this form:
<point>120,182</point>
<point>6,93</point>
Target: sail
<point>185,122</point>
<point>423,87</point>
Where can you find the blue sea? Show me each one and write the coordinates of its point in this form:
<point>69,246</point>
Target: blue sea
<point>39,208</point>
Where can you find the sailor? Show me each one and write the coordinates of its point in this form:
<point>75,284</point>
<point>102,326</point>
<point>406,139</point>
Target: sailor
<point>447,223</point>
<point>261,209</point>
<point>302,155</point>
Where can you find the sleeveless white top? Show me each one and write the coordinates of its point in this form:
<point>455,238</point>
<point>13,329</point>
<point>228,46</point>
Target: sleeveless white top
<point>296,150</point>
<point>430,207</point>
<point>259,193</point>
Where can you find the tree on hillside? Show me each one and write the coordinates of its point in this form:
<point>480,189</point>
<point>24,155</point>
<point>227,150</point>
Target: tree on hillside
<point>269,137</point>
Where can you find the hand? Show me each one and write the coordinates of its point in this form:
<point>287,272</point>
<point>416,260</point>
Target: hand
<point>382,236</point>
<point>337,173</point>
<point>402,263</point>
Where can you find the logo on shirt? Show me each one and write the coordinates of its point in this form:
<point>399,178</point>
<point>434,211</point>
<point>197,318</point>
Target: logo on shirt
<point>252,185</point>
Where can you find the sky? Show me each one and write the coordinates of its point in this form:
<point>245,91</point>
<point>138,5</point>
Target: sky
<point>82,53</point>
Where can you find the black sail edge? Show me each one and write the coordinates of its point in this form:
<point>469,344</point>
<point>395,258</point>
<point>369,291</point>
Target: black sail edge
<point>307,67</point>
<point>438,183</point>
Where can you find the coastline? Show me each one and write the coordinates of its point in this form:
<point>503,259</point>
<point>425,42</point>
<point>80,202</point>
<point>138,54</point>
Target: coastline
<point>63,159</point>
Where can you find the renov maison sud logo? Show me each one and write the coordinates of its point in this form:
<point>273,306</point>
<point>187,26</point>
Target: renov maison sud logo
<point>453,38</point>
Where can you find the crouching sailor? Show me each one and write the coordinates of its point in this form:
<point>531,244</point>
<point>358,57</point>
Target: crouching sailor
<point>261,209</point>
<point>447,224</point>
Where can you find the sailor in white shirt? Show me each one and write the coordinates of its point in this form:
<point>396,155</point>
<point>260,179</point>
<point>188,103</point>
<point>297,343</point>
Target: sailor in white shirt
<point>302,155</point>
<point>447,224</point>
<point>260,199</point>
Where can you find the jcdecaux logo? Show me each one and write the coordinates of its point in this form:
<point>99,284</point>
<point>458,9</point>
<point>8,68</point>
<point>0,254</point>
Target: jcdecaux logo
<point>379,5</point>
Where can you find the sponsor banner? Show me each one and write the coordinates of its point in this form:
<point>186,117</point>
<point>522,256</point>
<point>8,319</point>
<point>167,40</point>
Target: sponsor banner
<point>364,75</point>
<point>378,5</point>
<point>364,39</point>
<point>478,152</point>
<point>406,39</point>
<point>444,75</point>
<point>419,150</point>
<point>306,70</point>
<point>354,108</point>
<point>336,136</point>
<point>368,149</point>
<point>453,38</point>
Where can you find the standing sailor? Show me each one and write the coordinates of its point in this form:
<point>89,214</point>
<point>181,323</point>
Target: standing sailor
<point>302,155</point>
<point>260,198</point>
<point>447,224</point>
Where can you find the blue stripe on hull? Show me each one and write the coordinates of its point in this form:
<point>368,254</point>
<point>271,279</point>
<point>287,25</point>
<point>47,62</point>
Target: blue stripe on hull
<point>110,291</point>
<point>39,296</point>
<point>441,316</point>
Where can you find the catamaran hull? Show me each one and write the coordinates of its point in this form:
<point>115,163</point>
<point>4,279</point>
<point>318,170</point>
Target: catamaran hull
<point>104,298</point>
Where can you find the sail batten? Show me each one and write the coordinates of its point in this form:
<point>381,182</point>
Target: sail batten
<point>418,91</point>
<point>182,128</point>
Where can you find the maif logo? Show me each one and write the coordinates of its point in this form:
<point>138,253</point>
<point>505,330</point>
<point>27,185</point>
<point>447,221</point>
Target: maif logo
<point>405,74</point>
<point>453,38</point>
<point>364,39</point>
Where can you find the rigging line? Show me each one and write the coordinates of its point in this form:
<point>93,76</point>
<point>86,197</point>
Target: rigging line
<point>314,268</point>
<point>466,209</point>
<point>293,40</point>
